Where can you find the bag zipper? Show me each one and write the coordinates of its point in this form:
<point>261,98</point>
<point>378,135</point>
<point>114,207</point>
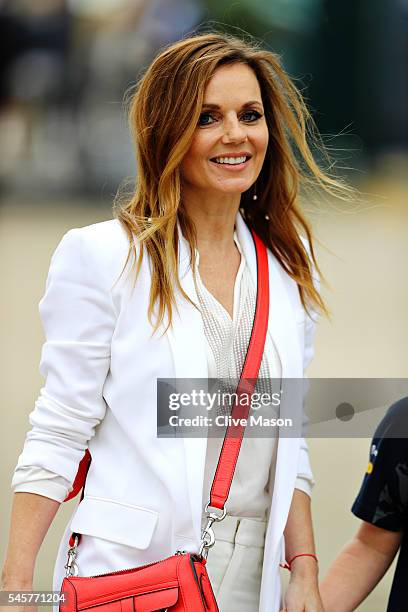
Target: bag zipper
<point>123,571</point>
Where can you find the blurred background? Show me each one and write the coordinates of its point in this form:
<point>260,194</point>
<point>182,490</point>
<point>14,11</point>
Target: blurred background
<point>65,149</point>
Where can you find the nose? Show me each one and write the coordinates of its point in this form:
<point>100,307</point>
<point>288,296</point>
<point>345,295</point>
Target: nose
<point>234,131</point>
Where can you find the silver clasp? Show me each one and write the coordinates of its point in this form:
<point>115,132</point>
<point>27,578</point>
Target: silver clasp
<point>207,535</point>
<point>72,566</point>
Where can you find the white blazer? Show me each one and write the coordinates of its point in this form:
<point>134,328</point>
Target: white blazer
<point>101,364</point>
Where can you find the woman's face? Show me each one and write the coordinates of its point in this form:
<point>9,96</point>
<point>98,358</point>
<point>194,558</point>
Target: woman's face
<point>231,138</point>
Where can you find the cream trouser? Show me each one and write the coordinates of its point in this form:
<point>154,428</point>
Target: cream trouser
<point>235,562</point>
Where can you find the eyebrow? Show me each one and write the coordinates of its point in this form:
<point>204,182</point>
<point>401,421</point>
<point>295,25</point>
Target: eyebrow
<point>217,107</point>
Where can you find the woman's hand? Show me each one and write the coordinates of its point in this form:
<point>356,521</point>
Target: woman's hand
<point>302,597</point>
<point>16,585</point>
<point>302,594</point>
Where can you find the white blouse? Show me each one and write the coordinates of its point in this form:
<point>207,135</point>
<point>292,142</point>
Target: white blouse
<point>227,340</point>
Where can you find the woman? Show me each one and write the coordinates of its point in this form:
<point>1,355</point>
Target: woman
<point>167,290</point>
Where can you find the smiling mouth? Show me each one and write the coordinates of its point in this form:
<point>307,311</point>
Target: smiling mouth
<point>231,161</point>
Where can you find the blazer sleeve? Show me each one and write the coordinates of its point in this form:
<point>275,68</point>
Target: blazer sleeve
<point>78,318</point>
<point>305,480</point>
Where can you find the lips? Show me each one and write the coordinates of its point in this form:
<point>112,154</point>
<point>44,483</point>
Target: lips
<point>230,167</point>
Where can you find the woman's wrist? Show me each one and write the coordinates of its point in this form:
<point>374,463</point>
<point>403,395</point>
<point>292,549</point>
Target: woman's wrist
<point>16,581</point>
<point>305,568</point>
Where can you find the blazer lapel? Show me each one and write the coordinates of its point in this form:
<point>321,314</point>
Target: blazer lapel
<point>188,346</point>
<point>281,324</point>
<point>282,328</point>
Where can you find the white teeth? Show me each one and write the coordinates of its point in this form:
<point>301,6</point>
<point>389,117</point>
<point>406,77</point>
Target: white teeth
<point>230,160</point>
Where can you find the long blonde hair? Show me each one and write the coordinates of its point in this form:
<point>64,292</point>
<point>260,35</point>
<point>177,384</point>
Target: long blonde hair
<point>163,115</point>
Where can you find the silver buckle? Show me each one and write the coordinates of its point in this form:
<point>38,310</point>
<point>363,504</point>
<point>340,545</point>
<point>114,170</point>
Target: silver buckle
<point>207,535</point>
<point>72,566</point>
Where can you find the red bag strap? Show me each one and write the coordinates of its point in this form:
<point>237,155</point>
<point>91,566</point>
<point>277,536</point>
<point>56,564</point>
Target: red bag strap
<point>234,434</point>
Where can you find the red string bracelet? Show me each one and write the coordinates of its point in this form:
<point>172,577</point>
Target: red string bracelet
<point>288,565</point>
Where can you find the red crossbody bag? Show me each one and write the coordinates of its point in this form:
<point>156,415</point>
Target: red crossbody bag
<point>178,583</point>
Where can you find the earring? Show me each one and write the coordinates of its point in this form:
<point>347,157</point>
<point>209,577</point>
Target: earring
<point>255,197</point>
